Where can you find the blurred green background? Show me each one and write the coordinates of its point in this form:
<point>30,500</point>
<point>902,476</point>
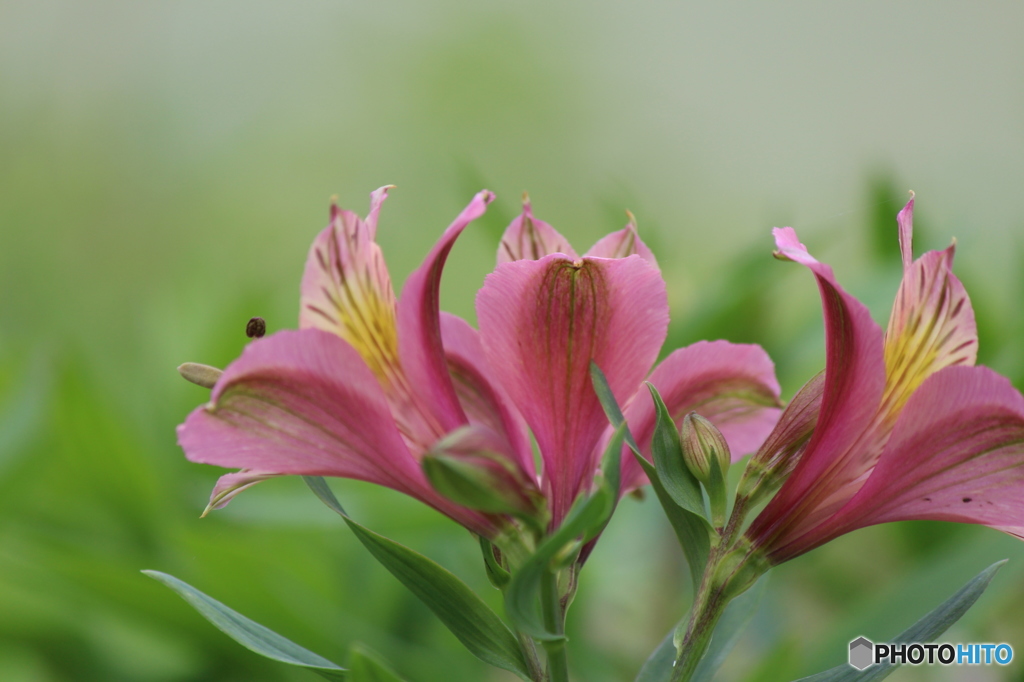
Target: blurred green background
<point>165,165</point>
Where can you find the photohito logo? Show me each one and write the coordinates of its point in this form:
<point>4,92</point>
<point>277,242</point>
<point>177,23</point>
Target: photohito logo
<point>865,653</point>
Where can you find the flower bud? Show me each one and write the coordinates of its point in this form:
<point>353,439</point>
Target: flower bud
<point>703,444</point>
<point>468,467</point>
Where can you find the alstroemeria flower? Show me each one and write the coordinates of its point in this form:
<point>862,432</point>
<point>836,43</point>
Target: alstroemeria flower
<point>908,428</point>
<point>546,312</point>
<point>366,385</point>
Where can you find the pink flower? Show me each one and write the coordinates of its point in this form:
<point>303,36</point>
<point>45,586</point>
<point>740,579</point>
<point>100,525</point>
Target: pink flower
<point>366,386</point>
<point>908,428</point>
<point>545,312</point>
<point>370,384</point>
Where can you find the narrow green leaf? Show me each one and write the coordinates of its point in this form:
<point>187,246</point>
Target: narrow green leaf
<point>463,612</point>
<point>366,665</point>
<point>605,395</point>
<point>717,493</point>
<point>248,633</point>
<point>609,404</point>
<point>676,478</point>
<point>320,488</point>
<point>691,527</point>
<point>692,531</point>
<point>658,666</point>
<point>611,461</point>
<point>923,631</point>
<point>523,593</point>
<point>611,468</point>
<point>611,464</point>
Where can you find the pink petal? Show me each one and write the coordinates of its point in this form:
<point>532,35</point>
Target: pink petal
<point>846,442</point>
<point>732,385</point>
<point>377,198</point>
<point>956,454</point>
<point>482,399</point>
<point>783,448</point>
<point>230,485</point>
<point>304,402</point>
<point>527,238</point>
<point>299,403</point>
<point>346,288</point>
<point>419,327</point>
<point>541,323</point>
<point>625,242</point>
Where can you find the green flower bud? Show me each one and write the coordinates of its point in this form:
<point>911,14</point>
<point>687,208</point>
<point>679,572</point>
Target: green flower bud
<point>707,457</point>
<point>468,467</point>
<point>703,444</point>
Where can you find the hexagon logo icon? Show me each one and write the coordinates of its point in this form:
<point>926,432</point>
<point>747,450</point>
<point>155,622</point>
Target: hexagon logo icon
<point>862,653</point>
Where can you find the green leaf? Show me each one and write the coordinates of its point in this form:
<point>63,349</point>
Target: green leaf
<point>524,592</point>
<point>658,666</point>
<point>611,467</point>
<point>463,612</point>
<point>923,631</point>
<point>611,463</point>
<point>250,634</point>
<point>366,665</point>
<point>667,452</point>
<point>692,531</point>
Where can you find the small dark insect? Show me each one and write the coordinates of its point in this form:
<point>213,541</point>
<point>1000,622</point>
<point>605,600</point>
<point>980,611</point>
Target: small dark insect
<point>256,328</point>
<point>967,499</point>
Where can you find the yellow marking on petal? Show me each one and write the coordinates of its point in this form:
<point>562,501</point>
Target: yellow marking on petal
<point>932,327</point>
<point>353,297</point>
<point>368,324</point>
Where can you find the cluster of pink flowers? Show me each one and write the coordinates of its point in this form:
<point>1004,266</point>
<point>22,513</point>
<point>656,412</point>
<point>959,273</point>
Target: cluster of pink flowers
<point>902,425</point>
<point>371,383</point>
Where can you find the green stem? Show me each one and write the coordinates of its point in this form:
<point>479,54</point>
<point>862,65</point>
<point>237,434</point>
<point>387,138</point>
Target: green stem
<point>706,613</point>
<point>712,596</point>
<point>554,621</point>
<point>532,661</point>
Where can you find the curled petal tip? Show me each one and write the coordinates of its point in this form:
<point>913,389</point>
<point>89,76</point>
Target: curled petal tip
<point>905,221</point>
<point>788,246</point>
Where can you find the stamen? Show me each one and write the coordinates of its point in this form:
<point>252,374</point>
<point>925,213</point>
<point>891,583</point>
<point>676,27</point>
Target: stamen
<point>201,375</point>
